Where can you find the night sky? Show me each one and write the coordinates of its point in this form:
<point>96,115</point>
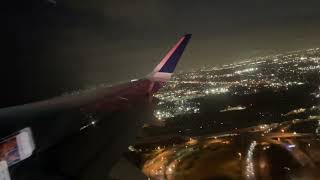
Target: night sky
<point>56,46</point>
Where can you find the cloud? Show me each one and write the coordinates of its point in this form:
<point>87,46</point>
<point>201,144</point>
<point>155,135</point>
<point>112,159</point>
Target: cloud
<point>135,13</point>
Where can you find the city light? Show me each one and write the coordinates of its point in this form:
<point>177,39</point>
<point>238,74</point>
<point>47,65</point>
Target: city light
<point>279,72</point>
<point>249,161</point>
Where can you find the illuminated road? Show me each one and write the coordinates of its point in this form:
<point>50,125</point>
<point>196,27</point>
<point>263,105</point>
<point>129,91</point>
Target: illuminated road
<point>288,150</point>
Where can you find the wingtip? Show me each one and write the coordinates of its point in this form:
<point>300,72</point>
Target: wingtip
<point>167,65</point>
<point>189,35</point>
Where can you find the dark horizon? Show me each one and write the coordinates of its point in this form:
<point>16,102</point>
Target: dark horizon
<point>54,46</point>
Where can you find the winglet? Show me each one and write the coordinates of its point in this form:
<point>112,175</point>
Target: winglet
<point>166,67</point>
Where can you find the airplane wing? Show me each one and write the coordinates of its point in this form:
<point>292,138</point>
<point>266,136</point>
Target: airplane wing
<point>90,129</point>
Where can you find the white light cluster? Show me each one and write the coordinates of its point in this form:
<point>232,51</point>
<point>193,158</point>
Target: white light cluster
<point>235,108</point>
<point>217,90</point>
<point>249,173</point>
<point>246,70</point>
<point>180,107</point>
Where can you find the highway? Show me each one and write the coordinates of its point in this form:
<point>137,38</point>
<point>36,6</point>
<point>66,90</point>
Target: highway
<point>288,150</point>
